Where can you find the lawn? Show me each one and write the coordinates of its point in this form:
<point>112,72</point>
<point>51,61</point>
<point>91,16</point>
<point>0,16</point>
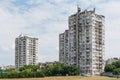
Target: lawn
<point>68,78</point>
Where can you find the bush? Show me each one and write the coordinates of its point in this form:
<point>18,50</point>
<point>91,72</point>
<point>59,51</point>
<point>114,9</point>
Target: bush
<point>116,71</point>
<point>61,70</point>
<point>109,68</point>
<point>34,71</point>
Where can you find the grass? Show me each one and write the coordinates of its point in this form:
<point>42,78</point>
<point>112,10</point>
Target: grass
<point>68,78</point>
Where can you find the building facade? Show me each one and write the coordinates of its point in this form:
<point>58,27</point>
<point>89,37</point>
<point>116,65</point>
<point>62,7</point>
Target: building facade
<point>26,49</point>
<point>86,47</point>
<point>61,48</point>
<point>64,47</point>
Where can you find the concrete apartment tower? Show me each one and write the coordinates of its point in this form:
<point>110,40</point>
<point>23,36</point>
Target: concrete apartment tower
<point>26,49</point>
<point>85,45</point>
<point>64,47</point>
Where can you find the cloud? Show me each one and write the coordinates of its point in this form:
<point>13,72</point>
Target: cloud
<point>35,22</point>
<point>46,19</point>
<point>111,12</point>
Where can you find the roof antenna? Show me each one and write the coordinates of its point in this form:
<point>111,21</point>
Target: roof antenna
<point>94,10</point>
<point>78,8</point>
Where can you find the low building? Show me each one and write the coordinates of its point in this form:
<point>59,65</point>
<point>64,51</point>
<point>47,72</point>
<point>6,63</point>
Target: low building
<point>111,60</point>
<point>46,64</point>
<point>9,67</point>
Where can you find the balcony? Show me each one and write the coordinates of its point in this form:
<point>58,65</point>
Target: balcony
<point>87,66</point>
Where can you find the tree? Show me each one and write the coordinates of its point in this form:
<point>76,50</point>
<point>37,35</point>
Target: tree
<point>109,68</point>
<point>49,71</point>
<point>70,70</point>
<point>14,73</point>
<point>32,67</point>
<point>116,64</point>
<point>116,72</point>
<point>61,69</point>
<point>29,71</point>
<point>57,70</point>
<point>40,74</point>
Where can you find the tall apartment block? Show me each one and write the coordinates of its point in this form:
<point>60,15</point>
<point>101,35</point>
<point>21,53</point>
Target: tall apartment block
<point>26,49</point>
<point>83,44</point>
<point>63,47</point>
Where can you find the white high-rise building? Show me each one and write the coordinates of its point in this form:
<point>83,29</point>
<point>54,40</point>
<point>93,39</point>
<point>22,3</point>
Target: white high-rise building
<point>26,49</point>
<point>85,45</point>
<point>63,47</point>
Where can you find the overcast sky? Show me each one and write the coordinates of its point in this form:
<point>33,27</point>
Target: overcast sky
<point>46,19</point>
